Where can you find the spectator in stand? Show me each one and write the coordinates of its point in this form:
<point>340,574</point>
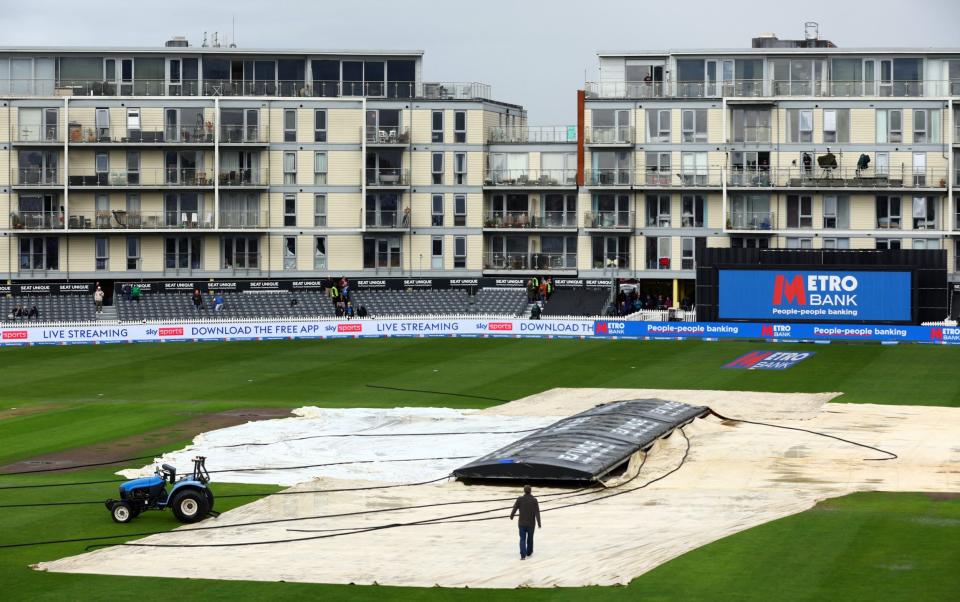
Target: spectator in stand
<point>98,299</point>
<point>197,300</point>
<point>531,290</point>
<point>217,302</point>
<point>345,288</point>
<point>17,312</point>
<point>549,287</point>
<point>362,312</point>
<point>125,290</point>
<point>334,294</point>
<point>543,291</point>
<point>135,292</point>
<point>33,313</point>
<point>535,312</point>
<point>340,308</point>
<point>349,310</point>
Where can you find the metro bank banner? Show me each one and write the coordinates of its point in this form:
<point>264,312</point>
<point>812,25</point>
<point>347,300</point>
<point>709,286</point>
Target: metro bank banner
<point>815,295</point>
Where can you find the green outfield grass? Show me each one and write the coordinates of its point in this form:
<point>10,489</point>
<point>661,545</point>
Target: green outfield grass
<point>862,547</point>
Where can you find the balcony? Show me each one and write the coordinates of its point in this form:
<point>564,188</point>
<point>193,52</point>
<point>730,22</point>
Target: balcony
<point>522,134</point>
<point>554,262</point>
<point>608,220</point>
<point>141,220</point>
<point>193,135</point>
<point>386,220</point>
<point>243,178</point>
<point>611,261</point>
<point>37,136</point>
<point>658,263</point>
<point>609,178</point>
<point>609,135</point>
<point>903,177</point>
<point>38,177</point>
<point>387,177</point>
<point>752,88</point>
<point>147,178</point>
<point>275,88</point>
<point>242,134</point>
<point>751,220</point>
<point>512,220</point>
<point>36,220</point>
<point>393,135</point>
<point>243,219</point>
<point>530,178</point>
<point>751,134</point>
<point>692,178</point>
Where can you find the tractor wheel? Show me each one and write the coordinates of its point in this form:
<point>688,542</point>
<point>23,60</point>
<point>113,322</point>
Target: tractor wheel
<point>209,499</point>
<point>190,506</point>
<point>122,512</point>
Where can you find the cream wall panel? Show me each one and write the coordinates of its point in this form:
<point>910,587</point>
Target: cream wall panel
<point>639,120</point>
<point>475,210</point>
<point>715,126</point>
<point>420,166</point>
<point>81,253</point>
<point>9,115</point>
<point>343,210</point>
<point>718,241</point>
<point>118,254</point>
<point>584,252</point>
<point>343,126</point>
<point>151,253</point>
<point>714,211</point>
<point>675,126</point>
<point>210,257</point>
<point>863,126</point>
<point>343,168</point>
<point>475,252</point>
<point>421,133</point>
<point>421,210</point>
<point>863,212</point>
<point>476,132</point>
<point>344,253</point>
<point>475,168</point>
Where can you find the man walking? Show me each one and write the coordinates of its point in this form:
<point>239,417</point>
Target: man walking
<point>529,511</point>
<point>98,299</point>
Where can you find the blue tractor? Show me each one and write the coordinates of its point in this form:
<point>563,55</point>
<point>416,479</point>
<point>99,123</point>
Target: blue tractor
<point>189,498</point>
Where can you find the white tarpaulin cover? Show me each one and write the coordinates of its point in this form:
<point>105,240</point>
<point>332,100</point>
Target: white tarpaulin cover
<point>736,476</point>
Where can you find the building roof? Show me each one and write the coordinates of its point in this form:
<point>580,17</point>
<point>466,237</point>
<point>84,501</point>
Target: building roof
<point>239,50</point>
<point>767,51</point>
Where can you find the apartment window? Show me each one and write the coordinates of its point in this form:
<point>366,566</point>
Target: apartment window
<point>436,167</point>
<point>182,210</point>
<point>889,126</point>
<point>836,243</point>
<point>924,213</point>
<point>836,125</point>
<point>320,168</point>
<point>691,211</point>
<point>694,170</point>
<point>241,252</point>
<point>694,125</point>
<point>289,252</point>
<point>101,247</point>
<point>888,243</point>
<point>888,212</point>
<point>182,252</point>
<point>133,123</point>
<point>610,125</point>
<point>320,125</point>
<point>751,125</point>
<point>133,252</point>
<point>289,167</point>
<point>611,251</point>
<point>658,210</point>
<point>436,210</point>
<point>38,125</point>
<point>658,125</point>
<point>836,212</point>
<point>460,126</point>
<point>289,210</point>
<point>799,211</point>
<point>460,168</point>
<point>925,243</point>
<point>320,253</point>
<point>687,250</point>
<point>436,121</point>
<point>101,164</point>
<point>658,252</point>
<point>102,122</point>
<point>436,252</point>
<point>459,252</point>
<point>919,169</point>
<point>883,164</point>
<point>320,210</point>
<point>920,124</point>
<point>239,125</point>
<point>800,125</point>
<point>289,125</point>
<point>133,167</point>
<point>459,210</point>
<point>799,243</point>
<point>39,253</point>
<point>658,168</point>
<point>749,242</point>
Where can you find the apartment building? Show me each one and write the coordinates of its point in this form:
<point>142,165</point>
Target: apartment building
<point>790,144</point>
<point>186,162</point>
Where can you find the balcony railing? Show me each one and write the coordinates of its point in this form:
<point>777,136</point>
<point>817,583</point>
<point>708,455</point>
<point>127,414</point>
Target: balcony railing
<point>608,220</point>
<point>80,134</point>
<point>751,134</point>
<point>243,219</point>
<point>608,177</point>
<point>141,220</point>
<point>530,177</point>
<point>529,261</point>
<point>523,134</point>
<point>751,220</point>
<point>47,133</point>
<point>387,219</point>
<point>223,87</point>
<point>658,263</point>
<point>528,219</point>
<point>239,134</point>
<point>243,177</point>
<point>611,261</point>
<point>174,177</point>
<point>387,177</point>
<point>903,176</point>
<point>387,134</point>
<point>36,220</point>
<point>612,135</point>
<point>38,176</point>
<point>757,88</point>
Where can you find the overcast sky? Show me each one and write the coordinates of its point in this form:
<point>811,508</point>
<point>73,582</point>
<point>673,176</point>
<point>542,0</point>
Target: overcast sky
<point>533,52</point>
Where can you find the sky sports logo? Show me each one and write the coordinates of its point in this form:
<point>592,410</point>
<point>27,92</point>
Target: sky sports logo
<point>769,360</point>
<point>15,335</point>
<point>349,327</point>
<point>501,326</point>
<point>815,289</point>
<point>170,331</point>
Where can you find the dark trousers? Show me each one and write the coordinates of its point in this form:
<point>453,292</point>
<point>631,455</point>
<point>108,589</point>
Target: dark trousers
<point>526,541</point>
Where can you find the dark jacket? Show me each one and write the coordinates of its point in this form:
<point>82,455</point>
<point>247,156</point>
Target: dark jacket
<point>529,510</point>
